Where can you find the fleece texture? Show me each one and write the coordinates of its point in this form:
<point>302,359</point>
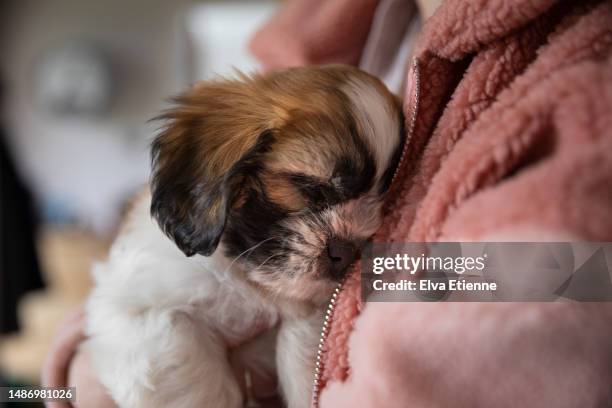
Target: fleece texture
<point>512,140</point>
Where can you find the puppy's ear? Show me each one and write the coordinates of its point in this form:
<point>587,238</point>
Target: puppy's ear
<point>212,140</point>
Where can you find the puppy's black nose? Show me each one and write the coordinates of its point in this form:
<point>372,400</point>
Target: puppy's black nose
<point>341,253</point>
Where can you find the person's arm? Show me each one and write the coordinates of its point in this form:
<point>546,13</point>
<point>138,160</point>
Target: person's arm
<point>309,32</point>
<point>66,366</point>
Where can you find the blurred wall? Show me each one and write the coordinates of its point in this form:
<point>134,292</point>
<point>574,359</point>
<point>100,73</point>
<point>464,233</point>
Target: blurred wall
<point>140,37</point>
<point>94,162</point>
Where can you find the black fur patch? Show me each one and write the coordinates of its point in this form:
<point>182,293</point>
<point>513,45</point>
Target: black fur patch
<point>257,224</point>
<point>182,203</point>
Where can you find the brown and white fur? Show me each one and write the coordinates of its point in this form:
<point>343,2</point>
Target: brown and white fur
<point>263,188</point>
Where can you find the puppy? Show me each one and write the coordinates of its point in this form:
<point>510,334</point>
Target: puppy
<point>263,188</point>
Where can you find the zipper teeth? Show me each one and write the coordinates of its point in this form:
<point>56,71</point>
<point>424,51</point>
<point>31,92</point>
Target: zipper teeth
<point>417,90</point>
<point>331,307</point>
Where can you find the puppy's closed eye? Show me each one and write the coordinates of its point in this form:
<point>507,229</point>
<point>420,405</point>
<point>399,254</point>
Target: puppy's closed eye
<point>317,192</point>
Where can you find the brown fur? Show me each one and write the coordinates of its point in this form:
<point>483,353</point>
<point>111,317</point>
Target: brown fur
<point>216,123</point>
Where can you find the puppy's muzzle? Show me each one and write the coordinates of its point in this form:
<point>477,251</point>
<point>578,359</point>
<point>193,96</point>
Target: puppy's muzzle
<point>341,254</point>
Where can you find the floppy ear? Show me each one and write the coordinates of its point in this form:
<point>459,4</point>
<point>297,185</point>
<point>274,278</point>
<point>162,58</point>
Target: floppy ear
<point>212,140</point>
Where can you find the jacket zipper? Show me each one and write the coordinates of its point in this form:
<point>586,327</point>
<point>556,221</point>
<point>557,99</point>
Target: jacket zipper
<point>413,118</point>
<point>331,307</point>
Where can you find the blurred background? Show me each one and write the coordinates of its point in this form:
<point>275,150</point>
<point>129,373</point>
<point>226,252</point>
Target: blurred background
<point>79,80</point>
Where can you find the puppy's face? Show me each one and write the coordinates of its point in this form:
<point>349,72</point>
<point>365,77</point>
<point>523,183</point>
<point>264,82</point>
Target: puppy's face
<point>287,171</point>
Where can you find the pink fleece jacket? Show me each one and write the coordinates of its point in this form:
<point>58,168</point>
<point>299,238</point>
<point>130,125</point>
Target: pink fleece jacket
<point>511,140</point>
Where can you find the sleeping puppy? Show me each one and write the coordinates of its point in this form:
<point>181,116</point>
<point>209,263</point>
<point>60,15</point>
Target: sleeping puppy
<point>263,188</point>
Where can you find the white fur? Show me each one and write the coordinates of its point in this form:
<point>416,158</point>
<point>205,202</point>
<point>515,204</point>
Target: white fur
<point>158,322</point>
<point>378,119</point>
<point>297,341</point>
